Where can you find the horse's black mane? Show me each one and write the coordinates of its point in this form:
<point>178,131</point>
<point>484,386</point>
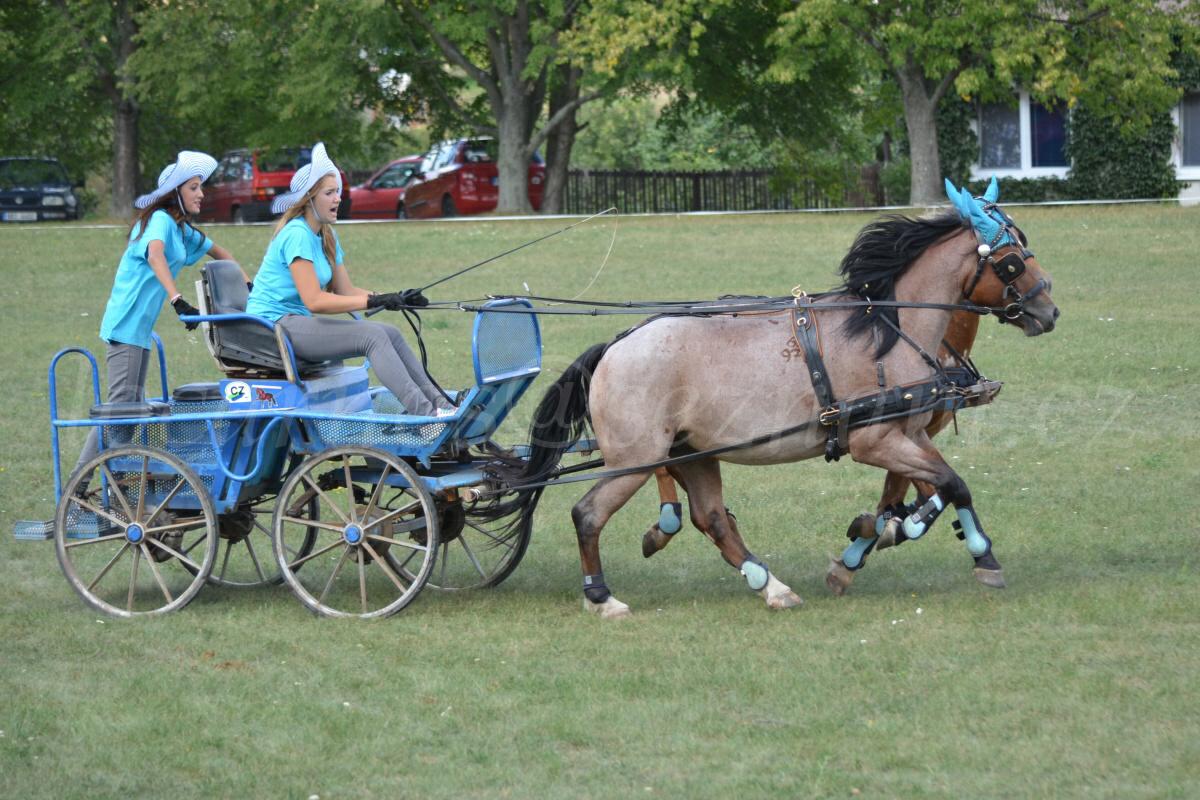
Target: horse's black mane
<point>880,254</point>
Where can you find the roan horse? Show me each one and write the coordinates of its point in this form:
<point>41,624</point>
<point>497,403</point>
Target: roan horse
<point>686,384</point>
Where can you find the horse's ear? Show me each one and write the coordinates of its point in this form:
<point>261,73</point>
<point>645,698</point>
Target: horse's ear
<point>984,225</point>
<point>956,200</point>
<point>993,191</point>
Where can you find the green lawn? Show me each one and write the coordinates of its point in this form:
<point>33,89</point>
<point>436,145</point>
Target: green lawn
<point>1078,680</point>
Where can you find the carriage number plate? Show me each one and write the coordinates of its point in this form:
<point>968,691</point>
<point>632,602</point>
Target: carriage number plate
<point>20,216</point>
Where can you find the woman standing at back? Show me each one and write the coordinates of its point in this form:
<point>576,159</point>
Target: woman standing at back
<point>303,274</point>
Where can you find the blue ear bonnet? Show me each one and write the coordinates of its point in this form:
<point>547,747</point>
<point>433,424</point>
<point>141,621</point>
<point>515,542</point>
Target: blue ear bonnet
<point>990,224</point>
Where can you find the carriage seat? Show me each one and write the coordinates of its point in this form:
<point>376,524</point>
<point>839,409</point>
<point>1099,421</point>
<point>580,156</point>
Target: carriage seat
<point>243,347</point>
<point>197,393</point>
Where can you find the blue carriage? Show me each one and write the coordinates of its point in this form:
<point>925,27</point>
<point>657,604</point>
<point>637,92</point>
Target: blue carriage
<point>292,472</point>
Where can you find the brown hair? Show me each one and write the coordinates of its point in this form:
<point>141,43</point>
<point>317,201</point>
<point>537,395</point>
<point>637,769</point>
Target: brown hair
<point>168,203</point>
<point>328,243</point>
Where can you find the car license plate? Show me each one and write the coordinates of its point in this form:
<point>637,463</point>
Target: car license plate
<point>20,216</point>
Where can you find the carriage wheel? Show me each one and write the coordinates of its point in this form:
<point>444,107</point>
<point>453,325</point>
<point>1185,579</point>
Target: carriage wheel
<point>244,557</point>
<point>474,554</point>
<point>360,521</point>
<point>142,538</point>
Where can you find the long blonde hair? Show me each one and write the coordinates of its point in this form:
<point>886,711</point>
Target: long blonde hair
<point>328,243</point>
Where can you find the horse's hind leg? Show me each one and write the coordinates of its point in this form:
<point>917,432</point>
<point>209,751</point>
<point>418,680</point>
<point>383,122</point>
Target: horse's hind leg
<point>702,482</point>
<point>670,515</point>
<point>869,532</point>
<point>922,463</point>
<point>590,515</point>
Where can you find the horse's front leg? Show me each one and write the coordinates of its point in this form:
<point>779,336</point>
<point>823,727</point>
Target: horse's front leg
<point>920,462</point>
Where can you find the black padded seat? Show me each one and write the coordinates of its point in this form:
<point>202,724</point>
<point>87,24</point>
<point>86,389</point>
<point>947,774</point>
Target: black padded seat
<point>197,393</point>
<point>244,343</point>
<point>130,410</point>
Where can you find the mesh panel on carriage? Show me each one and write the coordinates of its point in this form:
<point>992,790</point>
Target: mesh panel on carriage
<point>506,344</point>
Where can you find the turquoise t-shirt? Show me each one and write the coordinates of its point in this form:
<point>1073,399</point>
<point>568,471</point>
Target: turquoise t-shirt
<point>137,296</point>
<point>275,295</point>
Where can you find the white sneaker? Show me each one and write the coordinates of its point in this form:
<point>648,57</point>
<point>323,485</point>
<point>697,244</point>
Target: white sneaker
<point>446,412</point>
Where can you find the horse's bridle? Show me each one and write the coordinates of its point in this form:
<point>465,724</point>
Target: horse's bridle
<point>1008,263</point>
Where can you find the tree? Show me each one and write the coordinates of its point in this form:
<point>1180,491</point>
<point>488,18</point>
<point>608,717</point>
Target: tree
<point>510,50</point>
<point>1113,53</point>
<point>65,86</point>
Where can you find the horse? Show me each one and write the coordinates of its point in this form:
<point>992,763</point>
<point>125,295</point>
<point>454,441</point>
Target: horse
<point>681,386</point>
<point>884,523</point>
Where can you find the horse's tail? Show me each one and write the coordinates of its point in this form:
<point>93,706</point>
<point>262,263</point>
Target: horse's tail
<point>558,422</point>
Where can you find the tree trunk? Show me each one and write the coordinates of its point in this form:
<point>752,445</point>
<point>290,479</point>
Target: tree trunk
<point>126,115</point>
<point>920,117</point>
<point>561,141</point>
<point>126,170</point>
<point>513,164</point>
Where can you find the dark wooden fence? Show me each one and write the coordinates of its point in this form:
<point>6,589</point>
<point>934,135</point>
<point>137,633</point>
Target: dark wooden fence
<point>634,192</point>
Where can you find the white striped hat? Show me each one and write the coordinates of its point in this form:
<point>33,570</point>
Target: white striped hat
<point>188,164</point>
<point>307,177</point>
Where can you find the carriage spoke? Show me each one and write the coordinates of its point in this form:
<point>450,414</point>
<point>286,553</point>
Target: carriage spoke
<point>176,553</point>
<point>301,501</point>
<point>141,504</point>
<point>107,567</point>
<point>121,498</point>
<point>362,580</point>
<point>387,570</point>
<point>445,553</point>
<point>410,545</point>
<point>392,514</point>
<point>321,493</point>
<point>167,499</point>
<point>157,576</point>
<point>471,556</point>
<point>374,501</point>
<point>254,557</point>
<point>81,542</point>
<point>225,560</point>
<point>315,523</point>
<point>349,488</point>
<point>292,566</point>
<point>506,541</point>
<point>137,554</point>
<point>333,575</point>
<point>100,512</point>
<point>190,523</point>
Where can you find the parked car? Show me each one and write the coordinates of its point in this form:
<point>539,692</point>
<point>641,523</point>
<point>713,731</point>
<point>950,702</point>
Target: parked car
<point>33,189</point>
<point>246,181</point>
<point>381,196</point>
<point>460,177</point>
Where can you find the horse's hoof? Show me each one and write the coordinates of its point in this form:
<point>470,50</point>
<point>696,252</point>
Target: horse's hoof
<point>887,537</point>
<point>990,577</point>
<point>861,527</point>
<point>612,608</point>
<point>838,578</point>
<point>779,595</point>
<point>653,540</point>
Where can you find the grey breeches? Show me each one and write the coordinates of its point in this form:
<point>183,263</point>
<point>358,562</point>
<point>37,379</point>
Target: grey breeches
<point>398,368</point>
<point>127,366</point>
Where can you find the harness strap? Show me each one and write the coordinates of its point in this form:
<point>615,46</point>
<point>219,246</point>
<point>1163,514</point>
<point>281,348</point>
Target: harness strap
<point>808,336</point>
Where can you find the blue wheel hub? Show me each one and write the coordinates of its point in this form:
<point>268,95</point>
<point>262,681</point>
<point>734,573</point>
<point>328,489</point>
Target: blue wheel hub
<point>353,534</point>
<point>134,533</point>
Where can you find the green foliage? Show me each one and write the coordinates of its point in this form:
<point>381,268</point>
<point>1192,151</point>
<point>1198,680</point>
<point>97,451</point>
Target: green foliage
<point>1108,162</point>
<point>629,133</point>
<point>1027,190</point>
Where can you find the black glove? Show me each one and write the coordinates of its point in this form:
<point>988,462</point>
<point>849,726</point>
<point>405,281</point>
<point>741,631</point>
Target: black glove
<point>249,286</point>
<point>184,308</point>
<point>413,297</point>
<point>391,301</point>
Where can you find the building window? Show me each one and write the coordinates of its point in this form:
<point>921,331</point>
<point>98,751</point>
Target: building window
<point>999,137</point>
<point>1189,122</point>
<point>1048,135</point>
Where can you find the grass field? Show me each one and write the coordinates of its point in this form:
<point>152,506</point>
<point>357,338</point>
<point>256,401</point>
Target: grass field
<point>1079,680</point>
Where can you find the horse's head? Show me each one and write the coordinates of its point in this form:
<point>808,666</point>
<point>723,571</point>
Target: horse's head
<point>1007,277</point>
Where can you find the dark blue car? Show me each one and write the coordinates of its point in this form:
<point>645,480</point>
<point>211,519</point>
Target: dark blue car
<point>35,189</point>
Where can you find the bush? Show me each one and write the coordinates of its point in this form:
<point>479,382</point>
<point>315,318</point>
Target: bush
<point>1109,163</point>
<point>1027,190</point>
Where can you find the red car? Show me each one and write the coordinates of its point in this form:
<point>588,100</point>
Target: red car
<point>246,181</point>
<point>460,177</point>
<point>381,196</point>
